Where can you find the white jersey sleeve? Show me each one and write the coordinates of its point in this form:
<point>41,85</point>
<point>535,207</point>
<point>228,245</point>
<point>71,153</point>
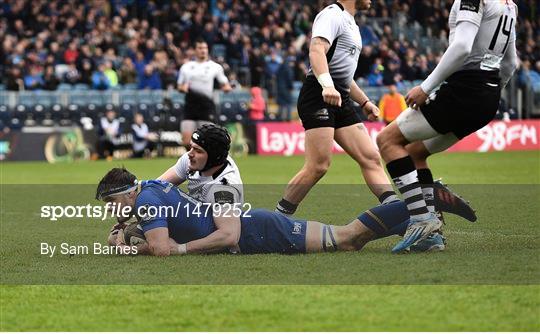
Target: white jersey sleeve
<point>182,77</point>
<point>182,166</point>
<point>453,58</point>
<point>470,11</point>
<point>327,24</point>
<point>509,63</point>
<point>220,75</point>
<point>223,193</point>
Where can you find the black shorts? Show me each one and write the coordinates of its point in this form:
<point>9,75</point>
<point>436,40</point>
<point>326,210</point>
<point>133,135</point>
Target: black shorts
<point>199,107</point>
<point>466,102</point>
<point>315,113</point>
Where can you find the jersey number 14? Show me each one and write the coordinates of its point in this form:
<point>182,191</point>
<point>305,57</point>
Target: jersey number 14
<point>501,27</point>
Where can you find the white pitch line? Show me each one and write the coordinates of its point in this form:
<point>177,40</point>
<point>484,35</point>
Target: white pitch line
<point>482,233</point>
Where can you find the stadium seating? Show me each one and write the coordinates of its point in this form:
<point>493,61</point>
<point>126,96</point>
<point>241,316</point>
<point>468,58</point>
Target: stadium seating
<point>5,114</point>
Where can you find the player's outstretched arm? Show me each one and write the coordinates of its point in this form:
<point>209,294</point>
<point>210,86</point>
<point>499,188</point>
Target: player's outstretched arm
<point>509,63</point>
<point>450,62</point>
<point>158,241</point>
<point>225,237</point>
<point>171,176</point>
<point>177,173</point>
<point>454,56</point>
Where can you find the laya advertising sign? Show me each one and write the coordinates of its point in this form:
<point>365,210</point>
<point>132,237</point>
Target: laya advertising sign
<point>281,138</point>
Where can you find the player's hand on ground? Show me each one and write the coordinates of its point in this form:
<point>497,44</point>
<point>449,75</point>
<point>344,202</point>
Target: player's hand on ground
<point>416,97</point>
<point>371,111</point>
<point>120,239</point>
<point>331,96</point>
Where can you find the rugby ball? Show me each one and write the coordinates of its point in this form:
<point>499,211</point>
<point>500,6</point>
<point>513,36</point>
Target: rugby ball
<point>133,235</point>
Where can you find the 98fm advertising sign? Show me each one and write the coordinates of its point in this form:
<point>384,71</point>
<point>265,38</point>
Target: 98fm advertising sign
<point>289,138</point>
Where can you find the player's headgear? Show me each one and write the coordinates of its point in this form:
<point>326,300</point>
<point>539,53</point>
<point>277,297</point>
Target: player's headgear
<point>117,181</point>
<point>216,141</point>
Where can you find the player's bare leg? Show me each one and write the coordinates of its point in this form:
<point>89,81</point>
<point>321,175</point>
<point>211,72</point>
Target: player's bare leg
<point>392,143</point>
<point>187,128</point>
<point>329,238</point>
<point>318,143</point>
<point>356,141</point>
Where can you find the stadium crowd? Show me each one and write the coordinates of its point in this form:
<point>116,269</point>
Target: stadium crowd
<point>142,44</point>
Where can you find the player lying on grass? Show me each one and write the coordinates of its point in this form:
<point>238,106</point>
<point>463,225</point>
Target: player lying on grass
<point>194,229</point>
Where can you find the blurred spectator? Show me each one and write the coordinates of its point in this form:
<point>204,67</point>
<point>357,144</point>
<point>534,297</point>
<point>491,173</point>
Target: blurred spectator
<point>245,32</point>
<point>391,73</point>
<point>284,87</point>
<point>256,63</point>
<point>422,70</point>
<point>99,79</point>
<point>143,139</point>
<point>391,105</point>
<point>34,79</point>
<point>71,54</point>
<point>72,75</point>
<point>375,77</point>
<point>528,75</point>
<point>108,132</point>
<point>86,72</point>
<point>169,76</point>
<point>15,79</point>
<point>149,78</point>
<point>365,62</point>
<point>127,73</point>
<point>110,74</point>
<point>369,37</point>
<point>272,63</point>
<point>50,79</point>
<point>233,81</point>
<point>257,105</point>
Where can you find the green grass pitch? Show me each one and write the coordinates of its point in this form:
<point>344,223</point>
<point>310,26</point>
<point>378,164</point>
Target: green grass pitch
<point>487,280</point>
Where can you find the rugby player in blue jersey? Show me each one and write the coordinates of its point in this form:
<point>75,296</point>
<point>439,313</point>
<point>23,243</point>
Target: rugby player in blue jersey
<point>174,223</point>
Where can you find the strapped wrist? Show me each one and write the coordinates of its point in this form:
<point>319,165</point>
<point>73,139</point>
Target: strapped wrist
<point>364,104</point>
<point>182,249</point>
<point>325,80</point>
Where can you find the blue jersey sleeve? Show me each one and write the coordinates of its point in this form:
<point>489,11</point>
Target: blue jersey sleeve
<point>150,210</point>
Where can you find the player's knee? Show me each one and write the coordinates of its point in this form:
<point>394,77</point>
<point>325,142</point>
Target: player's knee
<point>389,138</point>
<point>318,169</point>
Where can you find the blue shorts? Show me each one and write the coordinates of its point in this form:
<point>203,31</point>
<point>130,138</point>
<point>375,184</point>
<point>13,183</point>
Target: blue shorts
<point>271,232</point>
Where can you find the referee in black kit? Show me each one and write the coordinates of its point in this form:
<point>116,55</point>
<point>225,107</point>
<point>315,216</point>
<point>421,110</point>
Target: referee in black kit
<point>325,106</point>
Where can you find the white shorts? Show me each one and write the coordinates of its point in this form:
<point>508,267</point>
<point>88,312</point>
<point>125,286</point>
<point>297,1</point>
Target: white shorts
<point>414,127</point>
<point>189,125</point>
